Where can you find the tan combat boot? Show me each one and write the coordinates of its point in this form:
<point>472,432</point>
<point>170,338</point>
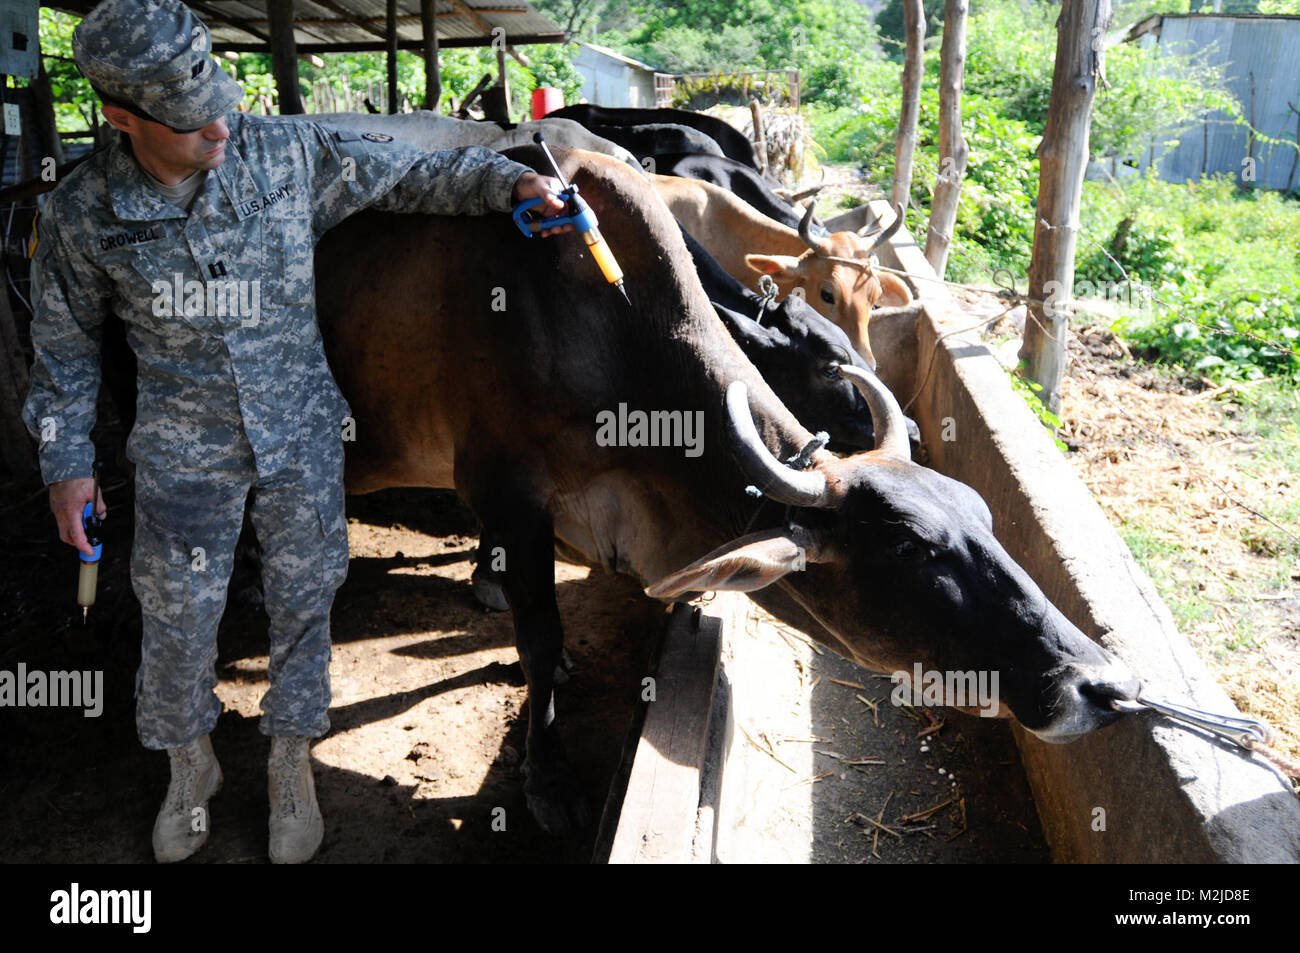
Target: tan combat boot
<point>296,823</point>
<point>183,821</point>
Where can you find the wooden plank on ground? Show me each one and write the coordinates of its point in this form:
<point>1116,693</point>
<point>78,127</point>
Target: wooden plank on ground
<point>658,820</point>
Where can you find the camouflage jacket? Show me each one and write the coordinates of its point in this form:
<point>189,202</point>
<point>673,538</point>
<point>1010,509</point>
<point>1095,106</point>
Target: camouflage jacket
<point>218,302</point>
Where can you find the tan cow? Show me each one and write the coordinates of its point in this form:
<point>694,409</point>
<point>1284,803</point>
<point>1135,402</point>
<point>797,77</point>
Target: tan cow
<point>834,273</point>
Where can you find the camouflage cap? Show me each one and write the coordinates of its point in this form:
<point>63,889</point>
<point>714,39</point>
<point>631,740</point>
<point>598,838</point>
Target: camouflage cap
<point>155,55</point>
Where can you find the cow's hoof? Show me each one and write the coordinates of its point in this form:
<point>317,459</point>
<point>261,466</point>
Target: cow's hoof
<point>489,592</point>
<point>555,799</point>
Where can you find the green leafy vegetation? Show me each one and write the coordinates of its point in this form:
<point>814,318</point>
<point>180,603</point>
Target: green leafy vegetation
<point>1031,391</point>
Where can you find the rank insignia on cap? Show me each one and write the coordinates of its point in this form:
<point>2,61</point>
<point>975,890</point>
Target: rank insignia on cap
<point>377,136</point>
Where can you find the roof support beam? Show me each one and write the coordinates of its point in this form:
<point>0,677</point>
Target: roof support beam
<point>284,57</point>
<point>351,17</point>
<point>432,70</point>
<point>457,42</point>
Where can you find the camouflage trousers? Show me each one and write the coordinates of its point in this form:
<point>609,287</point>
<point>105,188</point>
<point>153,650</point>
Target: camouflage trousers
<point>186,525</point>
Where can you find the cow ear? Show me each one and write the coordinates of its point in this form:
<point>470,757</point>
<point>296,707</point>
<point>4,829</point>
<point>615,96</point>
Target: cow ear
<point>785,265</point>
<point>743,565</point>
<point>893,291</point>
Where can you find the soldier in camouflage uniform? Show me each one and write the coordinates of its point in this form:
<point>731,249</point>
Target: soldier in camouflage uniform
<point>197,228</point>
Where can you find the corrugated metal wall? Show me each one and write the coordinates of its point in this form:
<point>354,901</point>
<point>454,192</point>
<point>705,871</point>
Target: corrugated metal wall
<point>1268,48</point>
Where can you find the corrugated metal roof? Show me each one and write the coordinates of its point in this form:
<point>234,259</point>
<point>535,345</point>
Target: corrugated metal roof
<point>333,22</point>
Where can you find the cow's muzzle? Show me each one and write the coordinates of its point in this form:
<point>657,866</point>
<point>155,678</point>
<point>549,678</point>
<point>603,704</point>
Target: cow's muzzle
<point>1084,698</point>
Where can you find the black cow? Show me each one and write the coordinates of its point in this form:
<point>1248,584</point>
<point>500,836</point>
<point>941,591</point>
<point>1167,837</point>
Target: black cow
<point>736,177</point>
<point>730,140</point>
<point>796,349</point>
<point>644,141</point>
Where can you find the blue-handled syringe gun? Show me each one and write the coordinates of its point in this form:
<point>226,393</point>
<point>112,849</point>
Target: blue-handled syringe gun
<point>88,579</point>
<point>580,216</point>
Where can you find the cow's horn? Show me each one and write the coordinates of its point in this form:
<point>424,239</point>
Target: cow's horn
<point>888,233</point>
<point>807,193</point>
<point>775,479</point>
<point>809,239</point>
<point>886,416</point>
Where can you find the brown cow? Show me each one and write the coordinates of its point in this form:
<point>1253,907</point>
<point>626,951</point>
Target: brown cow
<point>834,273</point>
<point>477,359</point>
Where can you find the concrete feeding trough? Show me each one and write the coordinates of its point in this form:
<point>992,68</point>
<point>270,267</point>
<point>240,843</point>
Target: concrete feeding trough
<point>1143,790</point>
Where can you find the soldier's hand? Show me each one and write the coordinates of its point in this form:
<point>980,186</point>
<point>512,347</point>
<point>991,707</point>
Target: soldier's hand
<point>68,499</point>
<point>531,185</point>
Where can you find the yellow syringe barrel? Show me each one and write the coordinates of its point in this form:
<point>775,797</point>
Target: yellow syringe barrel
<point>87,580</point>
<point>604,257</point>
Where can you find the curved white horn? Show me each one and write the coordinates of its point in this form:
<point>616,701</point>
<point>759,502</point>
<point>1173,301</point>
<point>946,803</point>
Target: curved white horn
<point>775,479</point>
<point>886,416</point>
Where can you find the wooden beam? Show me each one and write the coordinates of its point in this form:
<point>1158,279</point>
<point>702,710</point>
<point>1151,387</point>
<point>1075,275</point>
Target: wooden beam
<point>953,152</point>
<point>657,823</point>
<point>909,113</point>
<point>392,56</point>
<point>376,22</point>
<point>1062,162</point>
<point>352,18</point>
<point>432,68</point>
<point>465,10</point>
<point>379,47</point>
<point>214,16</point>
<point>284,57</point>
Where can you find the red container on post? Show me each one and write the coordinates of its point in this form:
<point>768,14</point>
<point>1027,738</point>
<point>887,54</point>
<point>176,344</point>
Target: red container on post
<point>547,99</point>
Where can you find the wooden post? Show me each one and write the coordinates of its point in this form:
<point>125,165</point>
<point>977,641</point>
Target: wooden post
<point>284,56</point>
<point>952,144</point>
<point>432,68</point>
<point>760,139</point>
<point>1063,159</point>
<point>913,69</point>
<point>501,77</point>
<point>391,36</point>
<point>45,130</point>
<point>17,449</point>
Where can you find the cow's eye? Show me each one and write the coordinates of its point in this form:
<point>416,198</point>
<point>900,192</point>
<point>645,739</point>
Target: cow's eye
<point>907,549</point>
<point>828,296</point>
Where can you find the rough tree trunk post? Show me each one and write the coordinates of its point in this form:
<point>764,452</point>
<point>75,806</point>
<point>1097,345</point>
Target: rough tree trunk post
<point>952,144</point>
<point>760,137</point>
<point>45,129</point>
<point>1063,159</point>
<point>432,68</point>
<point>913,68</point>
<point>284,56</point>
<point>390,31</point>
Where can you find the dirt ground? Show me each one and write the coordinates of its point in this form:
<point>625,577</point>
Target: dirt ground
<point>1190,487</point>
<point>428,717</point>
<point>421,764</point>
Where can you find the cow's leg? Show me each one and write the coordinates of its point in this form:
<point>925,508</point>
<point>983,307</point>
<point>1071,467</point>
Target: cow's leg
<point>486,579</point>
<point>551,787</point>
<point>486,582</point>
